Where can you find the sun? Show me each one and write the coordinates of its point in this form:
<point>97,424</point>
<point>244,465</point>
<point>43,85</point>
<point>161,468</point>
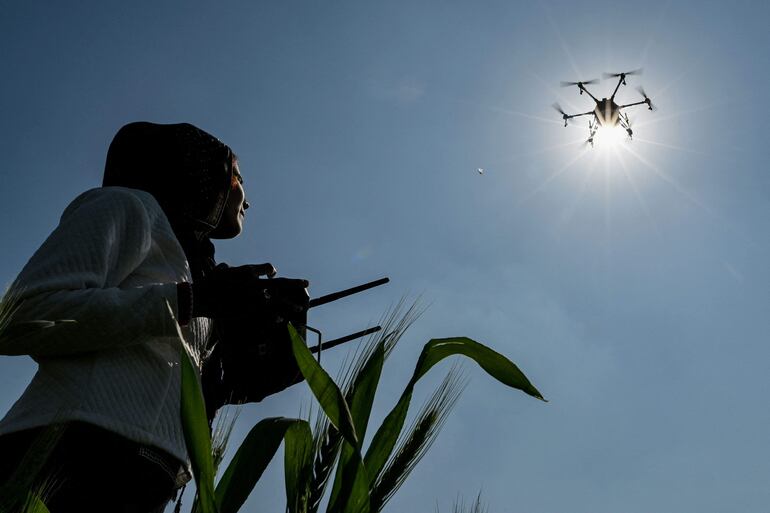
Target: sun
<point>609,137</point>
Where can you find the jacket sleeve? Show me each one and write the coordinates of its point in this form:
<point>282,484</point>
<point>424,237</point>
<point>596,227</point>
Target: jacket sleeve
<point>78,275</point>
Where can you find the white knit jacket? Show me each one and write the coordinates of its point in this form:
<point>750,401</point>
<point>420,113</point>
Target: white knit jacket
<point>112,265</point>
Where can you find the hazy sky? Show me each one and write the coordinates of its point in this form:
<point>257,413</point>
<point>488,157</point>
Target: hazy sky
<point>631,284</point>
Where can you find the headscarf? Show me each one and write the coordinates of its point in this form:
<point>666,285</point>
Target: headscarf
<point>187,170</point>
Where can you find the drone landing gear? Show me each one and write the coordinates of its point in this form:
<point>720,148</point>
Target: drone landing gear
<point>626,123</point>
<point>592,127</point>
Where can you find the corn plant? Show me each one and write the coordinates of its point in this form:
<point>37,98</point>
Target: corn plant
<point>364,480</point>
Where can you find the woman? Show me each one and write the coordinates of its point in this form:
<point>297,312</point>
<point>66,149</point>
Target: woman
<point>131,263</point>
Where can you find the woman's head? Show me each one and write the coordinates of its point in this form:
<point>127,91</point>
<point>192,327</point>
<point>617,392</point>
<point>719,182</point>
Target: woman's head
<point>189,172</point>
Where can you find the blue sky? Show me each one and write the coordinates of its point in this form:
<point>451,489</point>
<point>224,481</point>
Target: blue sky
<point>629,283</point>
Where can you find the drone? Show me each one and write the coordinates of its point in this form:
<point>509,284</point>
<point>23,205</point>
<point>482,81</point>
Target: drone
<point>607,112</point>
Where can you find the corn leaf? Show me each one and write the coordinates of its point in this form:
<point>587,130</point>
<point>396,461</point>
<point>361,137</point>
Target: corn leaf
<point>35,505</point>
<point>21,501</point>
<point>495,364</point>
<point>197,435</point>
<point>336,409</point>
<point>250,461</point>
<point>364,389</point>
<point>358,499</point>
<point>348,477</point>
<point>28,485</point>
<point>297,466</point>
<point>324,389</point>
<point>417,440</point>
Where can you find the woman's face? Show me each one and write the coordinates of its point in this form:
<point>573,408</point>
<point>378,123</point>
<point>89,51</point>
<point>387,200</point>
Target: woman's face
<point>231,223</point>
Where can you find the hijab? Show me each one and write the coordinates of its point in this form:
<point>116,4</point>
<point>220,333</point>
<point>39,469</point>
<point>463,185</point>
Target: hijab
<point>186,169</point>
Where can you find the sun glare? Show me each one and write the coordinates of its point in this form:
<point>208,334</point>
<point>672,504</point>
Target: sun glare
<point>609,137</point>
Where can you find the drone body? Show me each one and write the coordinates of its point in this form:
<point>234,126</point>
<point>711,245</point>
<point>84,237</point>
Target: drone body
<point>606,113</point>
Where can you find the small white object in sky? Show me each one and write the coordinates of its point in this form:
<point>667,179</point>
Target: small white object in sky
<point>480,170</point>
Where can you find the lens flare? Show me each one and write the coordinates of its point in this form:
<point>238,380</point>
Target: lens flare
<point>609,137</point>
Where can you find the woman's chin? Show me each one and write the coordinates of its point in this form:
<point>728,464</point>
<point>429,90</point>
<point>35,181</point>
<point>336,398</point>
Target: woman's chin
<point>227,231</point>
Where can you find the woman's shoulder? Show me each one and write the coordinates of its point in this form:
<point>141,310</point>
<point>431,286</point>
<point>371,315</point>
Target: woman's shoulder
<point>115,200</point>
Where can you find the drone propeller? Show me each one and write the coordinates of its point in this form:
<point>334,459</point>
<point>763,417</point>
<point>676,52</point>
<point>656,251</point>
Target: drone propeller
<point>646,98</point>
<point>564,115</point>
<point>583,83</point>
<point>626,74</point>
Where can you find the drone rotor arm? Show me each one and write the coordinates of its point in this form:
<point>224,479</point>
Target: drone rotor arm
<point>643,102</point>
<point>589,94</point>
<point>570,116</point>
<point>621,80</point>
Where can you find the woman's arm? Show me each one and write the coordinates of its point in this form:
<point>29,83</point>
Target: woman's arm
<point>79,274</point>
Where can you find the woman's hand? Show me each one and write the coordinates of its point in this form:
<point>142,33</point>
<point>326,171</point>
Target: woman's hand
<point>231,292</point>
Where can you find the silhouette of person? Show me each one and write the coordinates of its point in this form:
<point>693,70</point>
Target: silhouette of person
<point>132,263</point>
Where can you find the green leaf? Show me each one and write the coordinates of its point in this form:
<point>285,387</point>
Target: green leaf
<point>365,388</point>
<point>197,435</point>
<point>324,389</point>
<point>349,482</point>
<point>34,504</point>
<point>28,484</point>
<point>336,409</point>
<point>250,461</point>
<point>385,439</point>
<point>417,440</point>
<point>358,499</point>
<point>22,500</point>
<point>297,465</point>
<point>13,498</point>
<point>495,364</point>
